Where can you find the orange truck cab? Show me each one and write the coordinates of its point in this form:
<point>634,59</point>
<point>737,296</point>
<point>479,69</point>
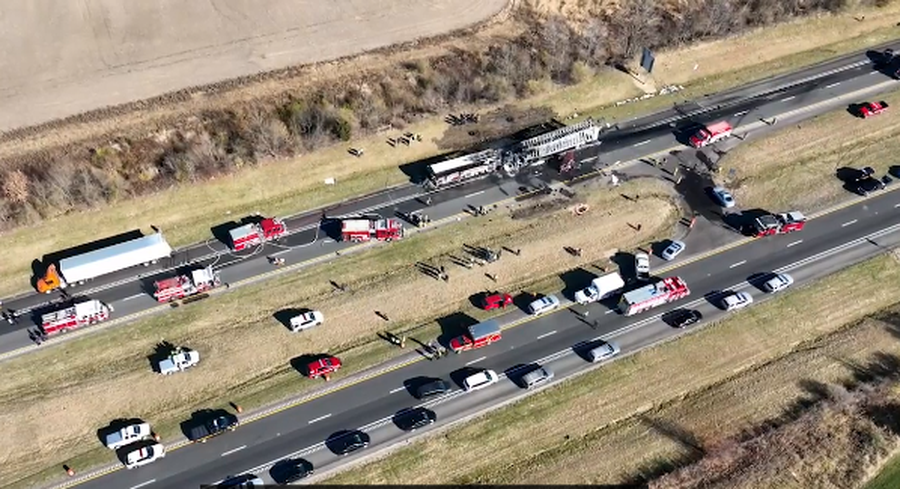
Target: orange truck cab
<point>50,281</point>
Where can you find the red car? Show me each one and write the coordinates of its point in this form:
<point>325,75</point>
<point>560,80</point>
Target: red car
<point>322,367</point>
<point>868,109</point>
<point>495,300</point>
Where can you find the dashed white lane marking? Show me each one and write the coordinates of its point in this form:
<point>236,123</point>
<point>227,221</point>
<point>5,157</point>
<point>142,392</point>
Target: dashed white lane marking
<point>546,334</point>
<point>741,113</point>
<point>142,484</point>
<point>875,73</point>
<point>473,194</point>
<point>130,297</point>
<point>848,223</point>
<point>592,158</point>
<point>738,264</point>
<point>234,450</point>
<point>642,142</point>
<point>475,361</point>
<point>896,206</point>
<point>320,418</point>
<point>398,389</point>
<point>609,312</point>
<point>792,97</point>
<point>795,243</point>
<point>833,85</point>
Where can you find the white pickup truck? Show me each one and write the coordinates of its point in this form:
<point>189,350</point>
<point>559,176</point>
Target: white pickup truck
<point>128,435</point>
<point>179,360</point>
<point>144,455</point>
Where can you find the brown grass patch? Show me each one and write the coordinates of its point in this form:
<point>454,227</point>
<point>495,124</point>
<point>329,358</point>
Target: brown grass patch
<point>513,448</point>
<point>246,351</point>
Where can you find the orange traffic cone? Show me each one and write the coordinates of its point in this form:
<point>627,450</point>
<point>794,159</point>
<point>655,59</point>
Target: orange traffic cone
<point>155,436</point>
<point>238,408</point>
<point>69,470</point>
<point>327,377</point>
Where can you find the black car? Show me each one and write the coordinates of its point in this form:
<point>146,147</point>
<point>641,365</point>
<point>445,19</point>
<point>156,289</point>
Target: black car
<point>432,388</point>
<point>415,418</point>
<point>288,471</point>
<point>867,185</point>
<point>350,442</point>
<point>213,426</point>
<point>681,318</point>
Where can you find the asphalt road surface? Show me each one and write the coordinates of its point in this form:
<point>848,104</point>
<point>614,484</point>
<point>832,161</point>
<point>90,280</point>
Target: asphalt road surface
<point>828,243</point>
<point>791,97</point>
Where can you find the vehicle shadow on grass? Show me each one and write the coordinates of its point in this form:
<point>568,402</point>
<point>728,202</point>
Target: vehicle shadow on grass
<point>161,351</point>
<point>301,363</point>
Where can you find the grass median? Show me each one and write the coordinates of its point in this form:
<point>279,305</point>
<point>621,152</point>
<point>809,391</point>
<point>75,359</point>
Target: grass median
<point>247,353</point>
<point>644,412</point>
<point>285,187</point>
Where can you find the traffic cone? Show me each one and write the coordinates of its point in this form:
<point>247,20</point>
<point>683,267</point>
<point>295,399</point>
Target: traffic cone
<point>326,377</point>
<point>69,470</point>
<point>238,408</point>
<point>155,436</point>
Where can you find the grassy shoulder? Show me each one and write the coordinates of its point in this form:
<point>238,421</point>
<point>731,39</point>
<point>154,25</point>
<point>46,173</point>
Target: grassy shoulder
<point>888,477</point>
<point>767,172</point>
<point>247,353</point>
<point>283,187</point>
<point>586,438</point>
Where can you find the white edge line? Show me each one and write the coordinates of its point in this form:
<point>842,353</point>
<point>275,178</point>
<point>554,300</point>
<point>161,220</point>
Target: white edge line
<point>234,450</point>
<point>320,418</point>
<point>475,361</point>
<point>142,484</point>
<point>625,329</point>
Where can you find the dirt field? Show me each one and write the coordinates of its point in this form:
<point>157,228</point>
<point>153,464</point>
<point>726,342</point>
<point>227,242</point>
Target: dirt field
<point>187,215</point>
<point>708,385</point>
<point>768,171</point>
<point>72,57</point>
<point>226,328</point>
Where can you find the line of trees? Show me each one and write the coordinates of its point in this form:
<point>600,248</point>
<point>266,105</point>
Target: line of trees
<point>216,142</point>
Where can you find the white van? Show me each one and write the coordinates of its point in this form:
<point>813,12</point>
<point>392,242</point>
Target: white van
<point>542,305</point>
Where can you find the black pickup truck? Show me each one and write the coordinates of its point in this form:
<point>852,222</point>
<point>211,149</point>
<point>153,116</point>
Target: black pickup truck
<point>207,428</point>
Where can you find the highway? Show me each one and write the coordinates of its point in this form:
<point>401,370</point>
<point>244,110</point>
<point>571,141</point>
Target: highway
<point>803,94</point>
<point>828,243</point>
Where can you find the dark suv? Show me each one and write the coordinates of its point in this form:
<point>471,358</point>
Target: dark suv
<point>866,182</point>
<point>681,318</point>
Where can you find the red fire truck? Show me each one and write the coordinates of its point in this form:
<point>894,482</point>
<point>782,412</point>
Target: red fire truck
<point>649,296</point>
<point>770,224</point>
<point>256,233</point>
<point>358,230</point>
<point>80,314</point>
<point>478,335</point>
<point>711,134</point>
<point>197,282</point>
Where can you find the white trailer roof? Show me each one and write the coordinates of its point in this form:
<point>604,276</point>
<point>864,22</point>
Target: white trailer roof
<point>113,258</point>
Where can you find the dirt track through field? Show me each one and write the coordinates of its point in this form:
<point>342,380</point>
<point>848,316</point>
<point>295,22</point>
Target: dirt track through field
<point>65,57</point>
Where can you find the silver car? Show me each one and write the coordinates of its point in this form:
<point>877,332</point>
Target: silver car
<point>673,250</point>
<point>778,283</point>
<point>603,352</point>
<point>723,197</point>
<point>642,265</point>
<point>736,300</point>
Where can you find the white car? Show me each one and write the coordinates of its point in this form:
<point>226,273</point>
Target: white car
<point>737,300</point>
<point>144,456</point>
<point>306,320</point>
<point>642,265</point>
<point>480,380</point>
<point>544,304</point>
<point>724,197</point>
<point>242,482</point>
<point>673,250</point>
<point>778,283</point>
